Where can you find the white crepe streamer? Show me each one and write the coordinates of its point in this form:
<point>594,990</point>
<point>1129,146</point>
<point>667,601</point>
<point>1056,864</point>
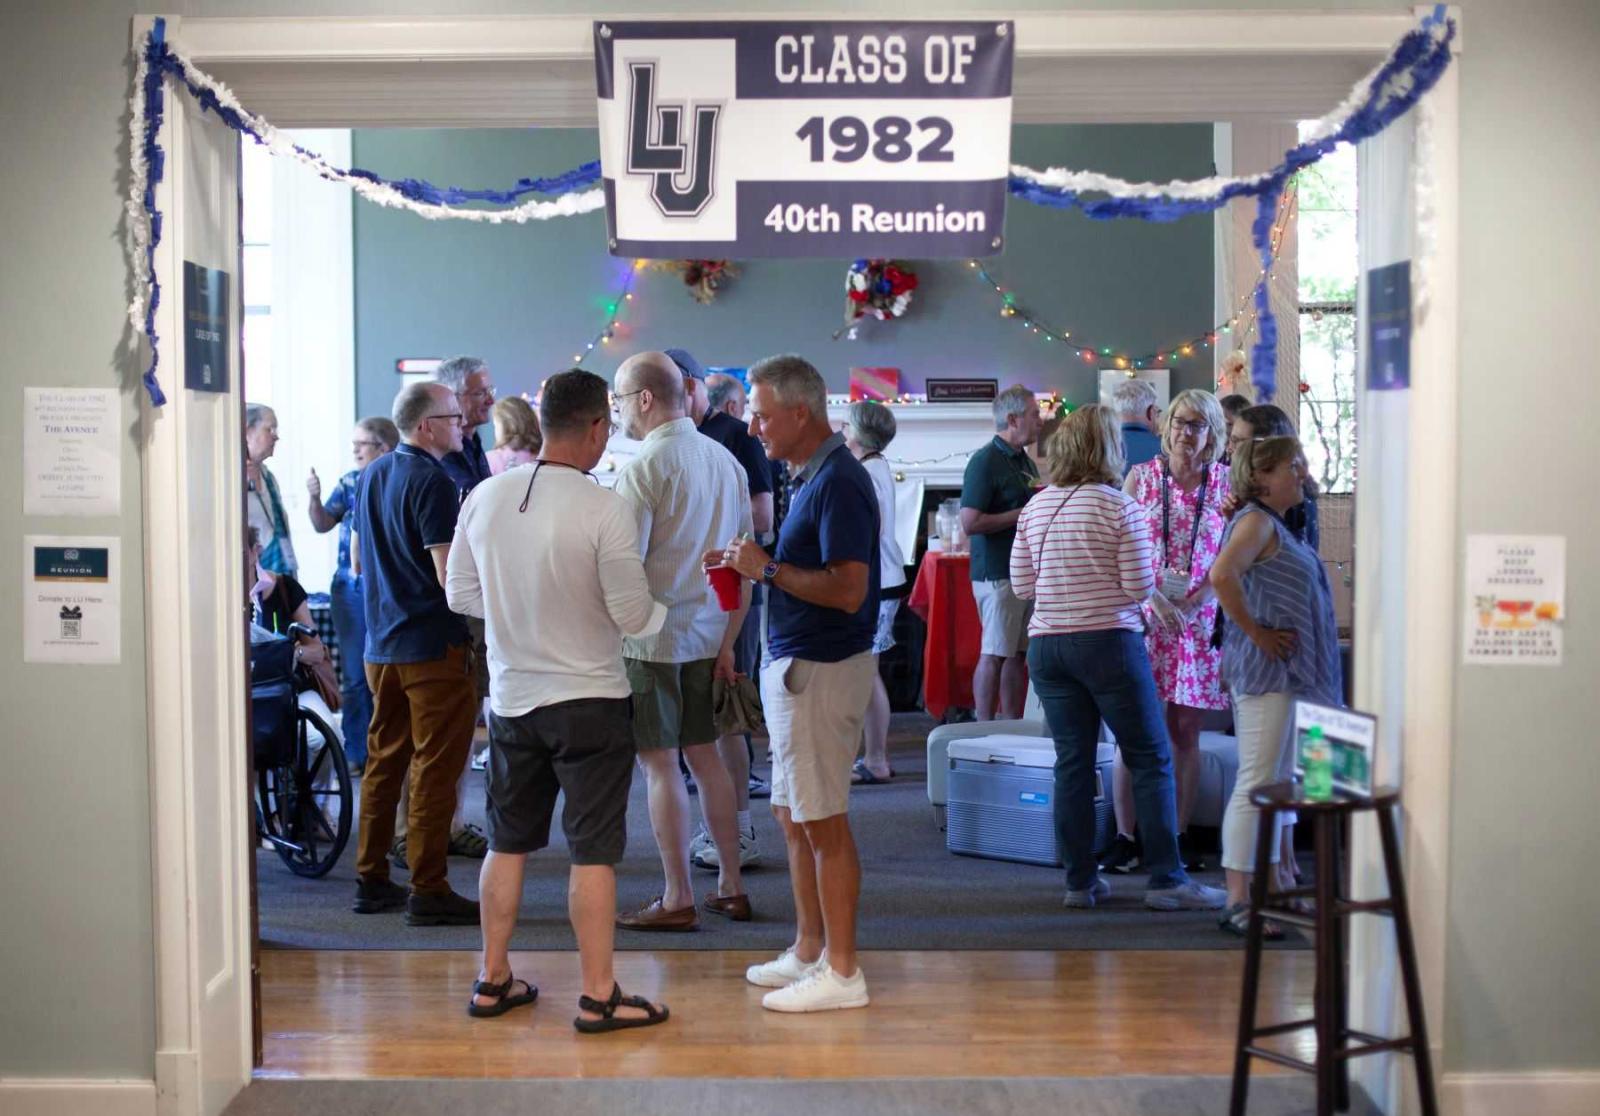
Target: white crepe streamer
<point>1062,178</point>
<point>137,229</point>
<point>567,205</point>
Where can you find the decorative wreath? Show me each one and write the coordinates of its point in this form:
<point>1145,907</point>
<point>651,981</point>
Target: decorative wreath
<point>702,277</point>
<point>879,288</point>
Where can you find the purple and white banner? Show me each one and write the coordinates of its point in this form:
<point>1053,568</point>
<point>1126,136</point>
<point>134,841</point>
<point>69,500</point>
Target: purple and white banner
<point>783,138</point>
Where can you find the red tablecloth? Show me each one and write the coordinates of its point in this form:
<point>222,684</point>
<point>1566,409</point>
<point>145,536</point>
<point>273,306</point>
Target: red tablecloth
<point>942,596</point>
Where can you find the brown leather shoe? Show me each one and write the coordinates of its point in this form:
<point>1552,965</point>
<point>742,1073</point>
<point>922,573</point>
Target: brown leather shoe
<point>736,907</point>
<point>651,916</point>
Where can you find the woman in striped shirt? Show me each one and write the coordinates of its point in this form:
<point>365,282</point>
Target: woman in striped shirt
<point>1082,555</point>
<point>1281,641</point>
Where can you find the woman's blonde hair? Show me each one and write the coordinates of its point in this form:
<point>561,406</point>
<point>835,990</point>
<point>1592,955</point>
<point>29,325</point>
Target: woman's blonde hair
<point>516,426</point>
<point>1204,404</point>
<point>1086,448</point>
<point>1258,456</point>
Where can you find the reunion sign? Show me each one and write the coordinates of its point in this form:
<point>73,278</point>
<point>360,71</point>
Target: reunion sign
<point>753,139</point>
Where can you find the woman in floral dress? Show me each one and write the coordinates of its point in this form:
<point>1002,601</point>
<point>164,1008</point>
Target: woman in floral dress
<point>1182,492</point>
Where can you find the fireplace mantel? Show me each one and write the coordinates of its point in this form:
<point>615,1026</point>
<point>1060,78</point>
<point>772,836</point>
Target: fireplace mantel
<point>932,441</point>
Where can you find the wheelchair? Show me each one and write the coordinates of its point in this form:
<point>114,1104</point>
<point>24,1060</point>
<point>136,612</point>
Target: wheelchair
<point>305,801</point>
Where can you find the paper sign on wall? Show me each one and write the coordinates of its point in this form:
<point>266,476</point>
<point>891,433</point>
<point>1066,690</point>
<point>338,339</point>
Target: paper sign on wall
<point>72,599</point>
<point>1516,599</point>
<point>775,138</point>
<point>70,459</point>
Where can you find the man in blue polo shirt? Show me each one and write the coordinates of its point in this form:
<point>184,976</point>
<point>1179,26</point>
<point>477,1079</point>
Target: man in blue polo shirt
<point>999,481</point>
<point>1140,413</point>
<point>418,661</point>
<point>822,611</point>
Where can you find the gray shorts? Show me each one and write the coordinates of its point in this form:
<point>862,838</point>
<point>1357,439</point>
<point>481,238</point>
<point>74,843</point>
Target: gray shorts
<point>582,748</point>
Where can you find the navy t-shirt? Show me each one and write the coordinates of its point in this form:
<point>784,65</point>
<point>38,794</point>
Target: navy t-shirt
<point>833,518</point>
<point>734,436</point>
<point>406,503</point>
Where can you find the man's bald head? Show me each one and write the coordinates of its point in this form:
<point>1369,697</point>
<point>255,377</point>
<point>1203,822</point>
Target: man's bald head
<point>655,373</point>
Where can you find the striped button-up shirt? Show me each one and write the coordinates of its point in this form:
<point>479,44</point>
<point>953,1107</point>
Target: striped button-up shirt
<point>688,495</point>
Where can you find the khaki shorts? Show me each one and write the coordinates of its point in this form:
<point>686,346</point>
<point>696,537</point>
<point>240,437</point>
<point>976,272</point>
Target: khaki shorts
<point>671,703</point>
<point>1004,616</point>
<point>814,715</point>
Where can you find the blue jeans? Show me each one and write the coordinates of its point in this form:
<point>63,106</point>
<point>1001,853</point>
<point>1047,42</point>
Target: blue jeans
<point>1082,678</point>
<point>350,624</point>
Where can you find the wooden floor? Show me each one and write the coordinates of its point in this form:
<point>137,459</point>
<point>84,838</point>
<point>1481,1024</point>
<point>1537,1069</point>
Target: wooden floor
<point>945,1014</point>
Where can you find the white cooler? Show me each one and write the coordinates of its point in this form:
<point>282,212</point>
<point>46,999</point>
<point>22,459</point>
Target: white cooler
<point>1000,799</point>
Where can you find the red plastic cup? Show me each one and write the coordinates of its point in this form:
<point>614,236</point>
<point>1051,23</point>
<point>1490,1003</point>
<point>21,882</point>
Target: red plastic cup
<point>725,580</point>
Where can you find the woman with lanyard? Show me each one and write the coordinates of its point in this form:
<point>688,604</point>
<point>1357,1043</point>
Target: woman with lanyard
<point>263,503</point>
<point>1181,493</point>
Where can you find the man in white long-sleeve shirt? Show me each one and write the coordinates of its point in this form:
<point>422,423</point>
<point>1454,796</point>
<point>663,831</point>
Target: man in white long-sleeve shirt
<point>550,560</point>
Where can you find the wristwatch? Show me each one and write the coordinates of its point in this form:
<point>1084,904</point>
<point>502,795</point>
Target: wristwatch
<point>769,571</point>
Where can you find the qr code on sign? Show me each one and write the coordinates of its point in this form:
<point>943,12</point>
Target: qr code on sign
<point>72,629</point>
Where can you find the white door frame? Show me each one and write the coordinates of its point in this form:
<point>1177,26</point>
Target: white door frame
<point>1077,35</point>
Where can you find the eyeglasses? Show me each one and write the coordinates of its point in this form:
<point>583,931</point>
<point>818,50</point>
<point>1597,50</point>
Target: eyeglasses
<point>359,442</point>
<point>454,416</point>
<point>479,393</point>
<point>621,395</point>
<point>1191,426</point>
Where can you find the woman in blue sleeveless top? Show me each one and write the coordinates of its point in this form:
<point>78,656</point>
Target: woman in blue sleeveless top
<point>1281,642</point>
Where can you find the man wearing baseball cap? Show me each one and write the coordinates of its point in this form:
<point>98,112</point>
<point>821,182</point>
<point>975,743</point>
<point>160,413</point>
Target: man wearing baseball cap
<point>694,384</point>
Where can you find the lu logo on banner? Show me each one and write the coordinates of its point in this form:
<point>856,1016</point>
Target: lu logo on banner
<point>771,138</point>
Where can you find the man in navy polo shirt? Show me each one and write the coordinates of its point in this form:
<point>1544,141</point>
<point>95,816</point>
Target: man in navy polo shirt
<point>822,615</point>
<point>418,661</point>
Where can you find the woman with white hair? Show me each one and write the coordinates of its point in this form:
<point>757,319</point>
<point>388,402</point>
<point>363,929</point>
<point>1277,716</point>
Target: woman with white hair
<point>263,502</point>
<point>868,430</point>
<point>1181,493</point>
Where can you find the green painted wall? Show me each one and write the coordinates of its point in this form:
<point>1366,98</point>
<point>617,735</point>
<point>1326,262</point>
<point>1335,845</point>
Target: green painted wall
<point>528,297</point>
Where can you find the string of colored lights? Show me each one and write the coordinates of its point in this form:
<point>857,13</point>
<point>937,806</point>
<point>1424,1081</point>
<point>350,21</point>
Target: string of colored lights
<point>614,310</point>
<point>1092,352</point>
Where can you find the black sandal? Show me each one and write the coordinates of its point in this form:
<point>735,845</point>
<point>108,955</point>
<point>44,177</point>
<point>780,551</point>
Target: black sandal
<point>504,1000</point>
<point>1236,921</point>
<point>608,1020</point>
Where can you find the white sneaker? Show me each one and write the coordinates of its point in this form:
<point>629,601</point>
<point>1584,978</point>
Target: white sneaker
<point>1187,896</point>
<point>783,972</point>
<point>703,850</point>
<point>480,762</point>
<point>822,989</point>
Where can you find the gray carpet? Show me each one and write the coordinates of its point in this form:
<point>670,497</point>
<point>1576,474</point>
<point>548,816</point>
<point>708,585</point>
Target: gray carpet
<point>1087,1096</point>
<point>915,894</point>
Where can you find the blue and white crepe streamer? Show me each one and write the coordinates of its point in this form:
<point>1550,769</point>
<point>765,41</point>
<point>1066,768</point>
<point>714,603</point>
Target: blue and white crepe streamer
<point>421,198</point>
<point>1388,92</point>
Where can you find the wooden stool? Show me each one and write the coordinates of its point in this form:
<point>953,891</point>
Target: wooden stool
<point>1337,1043</point>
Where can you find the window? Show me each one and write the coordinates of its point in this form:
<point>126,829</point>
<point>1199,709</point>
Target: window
<point>1328,269</point>
<point>256,243</point>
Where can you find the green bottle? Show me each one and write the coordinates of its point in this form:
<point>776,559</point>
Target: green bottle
<point>1318,760</point>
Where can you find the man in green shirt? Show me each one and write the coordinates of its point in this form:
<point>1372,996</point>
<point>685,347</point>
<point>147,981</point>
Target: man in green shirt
<point>999,480</point>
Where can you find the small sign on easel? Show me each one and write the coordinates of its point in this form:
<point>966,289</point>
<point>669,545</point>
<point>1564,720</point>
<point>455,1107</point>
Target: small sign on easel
<point>1349,737</point>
